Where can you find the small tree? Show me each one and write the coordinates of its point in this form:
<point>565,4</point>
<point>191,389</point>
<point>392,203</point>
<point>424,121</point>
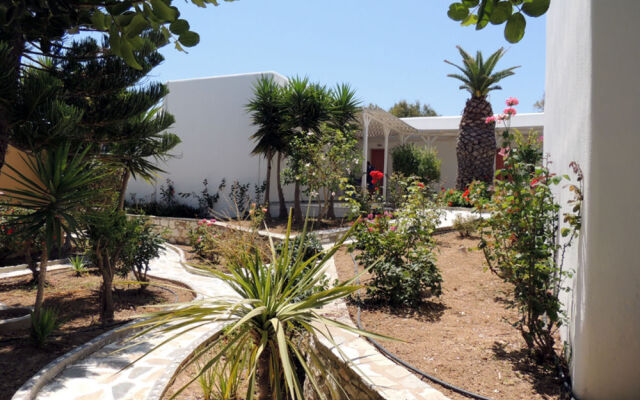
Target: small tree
<point>411,160</point>
<point>402,109</point>
<point>57,201</point>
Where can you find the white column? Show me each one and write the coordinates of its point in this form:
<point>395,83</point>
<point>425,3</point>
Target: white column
<point>387,131</point>
<point>366,118</point>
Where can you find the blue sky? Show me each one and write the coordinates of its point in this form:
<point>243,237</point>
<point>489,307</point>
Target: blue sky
<point>387,50</point>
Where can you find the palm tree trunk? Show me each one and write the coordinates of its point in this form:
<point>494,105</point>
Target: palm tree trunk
<point>267,197</point>
<point>42,278</point>
<point>283,206</point>
<point>123,188</point>
<point>262,375</point>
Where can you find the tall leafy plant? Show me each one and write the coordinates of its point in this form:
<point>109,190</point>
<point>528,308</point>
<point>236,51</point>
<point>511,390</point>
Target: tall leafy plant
<point>57,199</point>
<point>273,321</point>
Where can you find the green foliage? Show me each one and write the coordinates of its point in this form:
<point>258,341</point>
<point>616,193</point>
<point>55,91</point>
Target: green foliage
<point>402,109</point>
<point>522,240</point>
<point>266,323</point>
<point>411,160</point>
<point>222,380</point>
<point>206,239</point>
<point>143,245</point>
<point>455,198</point>
<point>466,226</point>
<point>308,247</point>
<point>477,76</point>
<point>497,12</point>
<point>43,325</point>
<point>398,248</point>
<point>78,264</point>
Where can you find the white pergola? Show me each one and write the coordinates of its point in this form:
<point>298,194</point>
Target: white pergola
<point>377,122</point>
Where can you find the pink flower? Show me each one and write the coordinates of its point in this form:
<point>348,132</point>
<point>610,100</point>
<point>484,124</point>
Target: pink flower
<point>541,139</point>
<point>201,222</point>
<point>209,223</point>
<point>212,220</point>
<point>504,152</point>
<point>370,229</point>
<point>512,101</point>
<point>264,210</point>
<point>501,117</point>
<point>199,239</point>
<point>510,111</point>
<point>393,228</point>
<point>370,216</point>
<point>490,119</point>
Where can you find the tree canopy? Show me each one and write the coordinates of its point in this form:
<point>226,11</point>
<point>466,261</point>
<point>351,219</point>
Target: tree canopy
<point>402,109</point>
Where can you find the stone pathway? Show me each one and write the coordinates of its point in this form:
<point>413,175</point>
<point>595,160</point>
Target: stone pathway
<point>100,376</point>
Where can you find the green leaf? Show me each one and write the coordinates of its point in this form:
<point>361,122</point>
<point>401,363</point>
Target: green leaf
<point>536,8</point>
<point>127,54</point>
<point>514,30</point>
<point>163,11</point>
<point>99,20</point>
<point>136,26</point>
<point>470,3</point>
<point>484,13</point>
<point>471,19</point>
<point>179,26</point>
<point>501,13</point>
<point>458,11</point>
<point>189,39</point>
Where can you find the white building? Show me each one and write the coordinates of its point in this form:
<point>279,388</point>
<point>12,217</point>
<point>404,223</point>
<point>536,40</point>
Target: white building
<point>216,129</point>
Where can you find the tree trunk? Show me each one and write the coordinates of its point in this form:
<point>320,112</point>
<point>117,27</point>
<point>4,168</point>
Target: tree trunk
<point>283,214</point>
<point>42,278</point>
<point>123,188</point>
<point>31,263</point>
<point>262,375</point>
<point>106,292</point>
<point>331,213</point>
<point>267,192</point>
<point>476,145</point>
<point>297,208</point>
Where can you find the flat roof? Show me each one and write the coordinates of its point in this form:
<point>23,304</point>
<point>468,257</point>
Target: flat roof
<point>231,76</point>
<point>452,123</point>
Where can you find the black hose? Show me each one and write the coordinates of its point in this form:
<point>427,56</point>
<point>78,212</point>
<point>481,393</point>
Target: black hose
<point>393,357</point>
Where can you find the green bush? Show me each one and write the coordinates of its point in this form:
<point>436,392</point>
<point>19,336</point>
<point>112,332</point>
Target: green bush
<point>399,250</point>
<point>144,244</point>
<point>44,325</point>
<point>411,160</point>
<point>78,264</point>
<point>466,226</point>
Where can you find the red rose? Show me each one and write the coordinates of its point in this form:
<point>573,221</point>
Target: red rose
<point>421,185</point>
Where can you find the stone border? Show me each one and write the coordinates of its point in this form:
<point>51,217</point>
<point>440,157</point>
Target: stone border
<point>30,389</point>
<point>18,267</point>
<point>17,322</point>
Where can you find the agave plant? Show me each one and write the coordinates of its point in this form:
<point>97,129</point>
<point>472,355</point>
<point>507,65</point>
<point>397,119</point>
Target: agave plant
<point>269,320</point>
<point>476,145</point>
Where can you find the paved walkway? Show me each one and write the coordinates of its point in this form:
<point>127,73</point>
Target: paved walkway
<point>99,376</point>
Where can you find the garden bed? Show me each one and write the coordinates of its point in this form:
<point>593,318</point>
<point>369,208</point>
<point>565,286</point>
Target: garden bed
<point>76,299</point>
<point>464,337</point>
<point>280,225</point>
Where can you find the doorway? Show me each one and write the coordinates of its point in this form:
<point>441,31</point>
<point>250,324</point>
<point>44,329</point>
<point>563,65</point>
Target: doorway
<point>377,159</point>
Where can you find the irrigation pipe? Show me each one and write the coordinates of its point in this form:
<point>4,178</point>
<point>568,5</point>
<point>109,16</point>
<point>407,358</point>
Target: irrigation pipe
<point>565,383</point>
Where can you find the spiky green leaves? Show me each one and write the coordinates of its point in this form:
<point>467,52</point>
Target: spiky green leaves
<point>478,77</point>
<point>498,12</point>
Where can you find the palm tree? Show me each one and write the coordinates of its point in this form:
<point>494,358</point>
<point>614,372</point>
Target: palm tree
<point>274,321</point>
<point>57,200</point>
<point>138,157</point>
<point>307,107</point>
<point>476,144</point>
<point>267,111</point>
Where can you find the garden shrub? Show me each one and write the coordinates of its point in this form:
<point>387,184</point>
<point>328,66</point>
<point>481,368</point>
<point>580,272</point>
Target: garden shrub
<point>522,241</point>
<point>143,245</point>
<point>399,248</point>
<point>307,248</point>
<point>466,226</point>
<point>43,325</point>
<point>411,160</point>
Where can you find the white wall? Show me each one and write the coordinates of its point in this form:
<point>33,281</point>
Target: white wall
<point>592,101</point>
<point>215,129</point>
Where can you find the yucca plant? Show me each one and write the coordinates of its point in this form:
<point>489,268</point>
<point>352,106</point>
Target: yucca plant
<point>78,264</point>
<point>222,380</point>
<point>269,320</point>
<point>476,145</point>
<point>56,199</point>
<point>43,325</point>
